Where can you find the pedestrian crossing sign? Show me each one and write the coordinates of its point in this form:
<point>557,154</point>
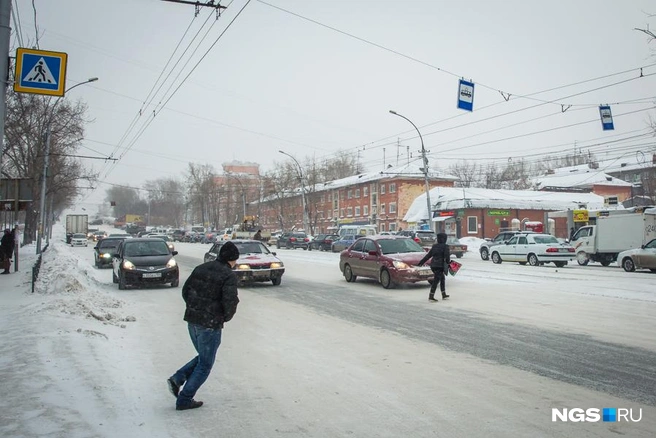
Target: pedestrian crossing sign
<point>40,72</point>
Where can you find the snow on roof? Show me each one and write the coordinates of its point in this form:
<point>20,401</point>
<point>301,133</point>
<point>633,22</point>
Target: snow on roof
<point>579,178</point>
<point>450,198</point>
<point>632,161</point>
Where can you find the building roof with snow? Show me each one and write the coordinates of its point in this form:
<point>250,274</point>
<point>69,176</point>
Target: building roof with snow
<point>583,178</point>
<point>451,198</point>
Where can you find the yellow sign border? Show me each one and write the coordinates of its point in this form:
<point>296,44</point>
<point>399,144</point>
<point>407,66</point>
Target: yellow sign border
<point>19,72</point>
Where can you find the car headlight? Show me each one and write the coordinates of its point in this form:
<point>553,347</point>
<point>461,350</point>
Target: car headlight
<point>400,265</point>
<point>171,246</point>
<point>242,267</point>
<point>276,265</point>
<point>106,255</point>
<point>127,264</point>
<point>171,263</point>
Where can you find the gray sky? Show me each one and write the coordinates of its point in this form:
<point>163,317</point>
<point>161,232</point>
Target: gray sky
<point>275,80</point>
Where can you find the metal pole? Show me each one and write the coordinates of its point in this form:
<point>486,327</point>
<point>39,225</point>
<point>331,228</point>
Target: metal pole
<point>300,175</point>
<point>5,32</point>
<point>42,200</point>
<point>243,201</point>
<point>425,170</point>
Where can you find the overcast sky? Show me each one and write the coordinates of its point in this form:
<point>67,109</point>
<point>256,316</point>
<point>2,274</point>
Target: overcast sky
<point>315,77</point>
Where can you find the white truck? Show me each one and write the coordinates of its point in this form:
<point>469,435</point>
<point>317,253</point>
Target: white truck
<point>611,235</point>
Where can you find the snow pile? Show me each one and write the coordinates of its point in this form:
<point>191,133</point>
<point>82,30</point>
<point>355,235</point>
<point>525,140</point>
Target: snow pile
<point>473,243</point>
<point>67,287</point>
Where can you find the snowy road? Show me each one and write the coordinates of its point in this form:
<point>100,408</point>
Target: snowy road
<point>319,357</point>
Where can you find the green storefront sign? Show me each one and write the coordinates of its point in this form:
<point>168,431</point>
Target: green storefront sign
<point>498,212</point>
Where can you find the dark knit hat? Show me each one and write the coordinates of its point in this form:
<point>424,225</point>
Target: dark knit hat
<point>228,252</point>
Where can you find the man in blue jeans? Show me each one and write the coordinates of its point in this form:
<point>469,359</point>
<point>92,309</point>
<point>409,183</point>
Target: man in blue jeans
<point>210,293</point>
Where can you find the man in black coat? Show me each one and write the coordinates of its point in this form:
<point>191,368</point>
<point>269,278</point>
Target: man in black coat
<point>6,250</point>
<point>441,256</point>
<point>210,293</point>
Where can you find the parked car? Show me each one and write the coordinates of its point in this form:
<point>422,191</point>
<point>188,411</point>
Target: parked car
<point>425,238</point>
<point>293,240</point>
<point>534,249</point>
<point>500,238</point>
<point>79,239</point>
<point>144,261</point>
<point>102,252</point>
<point>342,243</point>
<point>455,247</point>
<point>273,239</point>
<point>177,235</point>
<point>639,258</point>
<point>389,259</point>
<point>255,263</point>
<point>323,242</point>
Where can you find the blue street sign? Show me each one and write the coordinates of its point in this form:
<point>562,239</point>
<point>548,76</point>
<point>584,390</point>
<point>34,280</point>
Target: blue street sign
<point>606,118</point>
<point>466,95</point>
<point>40,72</point>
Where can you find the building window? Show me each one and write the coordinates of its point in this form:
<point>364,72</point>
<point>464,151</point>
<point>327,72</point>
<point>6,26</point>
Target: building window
<point>322,199</point>
<point>349,211</point>
<point>350,194</point>
<point>382,208</point>
<point>374,188</point>
<point>382,189</point>
<point>392,188</point>
<point>392,226</point>
<point>392,207</point>
<point>341,213</point>
<point>382,227</point>
<point>357,211</point>
<point>357,193</point>
<point>335,205</point>
<point>365,191</point>
<point>365,211</point>
<point>472,224</point>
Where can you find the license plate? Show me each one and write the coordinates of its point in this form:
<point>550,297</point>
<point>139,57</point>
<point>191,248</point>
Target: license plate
<point>152,275</point>
<point>563,250</point>
<point>426,273</point>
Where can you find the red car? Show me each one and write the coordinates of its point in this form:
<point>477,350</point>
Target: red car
<point>455,247</point>
<point>255,264</point>
<point>389,259</point>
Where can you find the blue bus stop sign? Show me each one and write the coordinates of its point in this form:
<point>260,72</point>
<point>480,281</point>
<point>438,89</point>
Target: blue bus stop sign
<point>40,72</point>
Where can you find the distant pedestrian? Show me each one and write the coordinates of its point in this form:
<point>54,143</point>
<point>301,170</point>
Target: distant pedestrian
<point>440,258</point>
<point>210,294</point>
<point>7,250</point>
<point>571,233</point>
<point>258,235</point>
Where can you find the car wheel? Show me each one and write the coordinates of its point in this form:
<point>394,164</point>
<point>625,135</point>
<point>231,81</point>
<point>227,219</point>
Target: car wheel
<point>582,258</point>
<point>628,264</point>
<point>309,248</point>
<point>114,278</point>
<point>496,258</point>
<point>533,260</point>
<point>348,274</point>
<point>386,279</point>
<point>276,281</point>
<point>560,264</point>
<point>176,282</point>
<point>121,281</point>
<point>485,254</point>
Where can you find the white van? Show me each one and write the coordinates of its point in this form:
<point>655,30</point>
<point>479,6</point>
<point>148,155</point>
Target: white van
<point>358,230</point>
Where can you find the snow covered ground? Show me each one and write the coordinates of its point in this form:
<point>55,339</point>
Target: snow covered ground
<point>81,359</point>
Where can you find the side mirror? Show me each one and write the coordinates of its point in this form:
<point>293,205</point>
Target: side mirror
<point>175,253</point>
<point>566,240</point>
<point>274,253</point>
<point>95,247</point>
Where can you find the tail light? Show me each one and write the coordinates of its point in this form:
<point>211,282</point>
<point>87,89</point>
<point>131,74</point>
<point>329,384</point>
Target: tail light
<point>570,250</point>
<point>417,239</point>
<point>552,249</point>
<point>292,239</point>
<point>306,240</point>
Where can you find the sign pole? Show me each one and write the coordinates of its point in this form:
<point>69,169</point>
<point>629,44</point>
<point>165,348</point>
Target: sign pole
<point>5,32</point>
<point>42,200</point>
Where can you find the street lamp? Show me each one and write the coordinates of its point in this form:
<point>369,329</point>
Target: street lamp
<point>300,176</point>
<point>425,169</point>
<point>42,210</point>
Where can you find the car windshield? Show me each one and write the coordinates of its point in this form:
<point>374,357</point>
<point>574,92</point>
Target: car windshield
<point>142,249</point>
<point>109,243</point>
<point>251,248</point>
<point>393,246</point>
<point>545,239</point>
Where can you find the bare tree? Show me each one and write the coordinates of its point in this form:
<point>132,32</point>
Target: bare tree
<point>166,197</point>
<point>467,173</point>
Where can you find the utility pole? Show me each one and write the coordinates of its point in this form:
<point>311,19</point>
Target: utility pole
<point>5,33</point>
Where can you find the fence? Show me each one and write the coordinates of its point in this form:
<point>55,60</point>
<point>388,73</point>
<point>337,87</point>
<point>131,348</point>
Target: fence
<point>37,267</point>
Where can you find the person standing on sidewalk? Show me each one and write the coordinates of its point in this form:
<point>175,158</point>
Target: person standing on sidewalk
<point>441,256</point>
<point>6,250</point>
<point>210,294</point>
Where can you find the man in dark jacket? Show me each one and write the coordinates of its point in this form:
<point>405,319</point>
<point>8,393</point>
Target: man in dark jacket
<point>441,256</point>
<point>210,293</point>
<point>6,250</point>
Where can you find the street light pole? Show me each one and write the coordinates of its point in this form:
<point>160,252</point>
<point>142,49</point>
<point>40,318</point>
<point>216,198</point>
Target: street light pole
<point>423,154</point>
<point>300,175</point>
<point>46,159</point>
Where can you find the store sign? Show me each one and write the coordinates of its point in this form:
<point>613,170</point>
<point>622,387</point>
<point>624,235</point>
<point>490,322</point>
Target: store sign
<point>580,215</point>
<point>446,213</point>
<point>498,212</point>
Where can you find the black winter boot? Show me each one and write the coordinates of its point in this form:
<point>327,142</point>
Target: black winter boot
<point>444,295</point>
<point>431,298</point>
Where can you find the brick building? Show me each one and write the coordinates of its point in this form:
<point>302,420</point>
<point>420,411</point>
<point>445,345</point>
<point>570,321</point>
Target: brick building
<point>481,213</point>
<point>585,179</point>
<point>380,198</point>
